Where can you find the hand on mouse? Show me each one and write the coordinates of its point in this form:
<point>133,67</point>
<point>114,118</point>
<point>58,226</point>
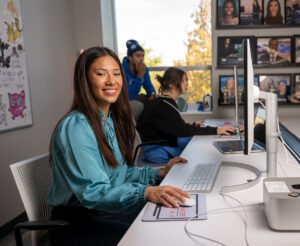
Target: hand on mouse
<point>165,195</point>
<point>225,130</point>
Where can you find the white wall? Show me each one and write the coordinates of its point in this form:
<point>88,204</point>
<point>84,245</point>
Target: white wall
<point>50,52</point>
<point>54,32</point>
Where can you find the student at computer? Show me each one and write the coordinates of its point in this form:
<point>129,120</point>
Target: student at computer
<point>161,120</point>
<point>95,184</point>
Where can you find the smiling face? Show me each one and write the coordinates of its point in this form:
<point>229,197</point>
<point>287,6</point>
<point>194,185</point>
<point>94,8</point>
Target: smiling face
<point>105,81</point>
<point>228,9</point>
<point>274,8</point>
<point>184,85</point>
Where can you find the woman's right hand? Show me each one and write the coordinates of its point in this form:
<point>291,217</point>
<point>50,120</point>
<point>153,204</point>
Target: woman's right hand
<point>165,194</point>
<point>225,130</point>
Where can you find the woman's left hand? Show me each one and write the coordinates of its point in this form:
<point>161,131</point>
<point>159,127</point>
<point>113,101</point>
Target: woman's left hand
<point>178,159</point>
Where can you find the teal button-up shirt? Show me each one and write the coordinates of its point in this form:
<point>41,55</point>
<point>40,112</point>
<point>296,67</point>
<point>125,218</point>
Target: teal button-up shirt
<point>81,176</point>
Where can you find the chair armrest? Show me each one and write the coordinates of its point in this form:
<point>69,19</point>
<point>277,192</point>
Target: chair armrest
<point>42,225</point>
<point>38,225</point>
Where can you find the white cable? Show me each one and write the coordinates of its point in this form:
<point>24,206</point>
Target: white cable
<point>245,215</point>
<point>190,234</point>
<point>285,145</point>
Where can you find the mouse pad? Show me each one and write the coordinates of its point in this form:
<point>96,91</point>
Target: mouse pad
<point>157,212</point>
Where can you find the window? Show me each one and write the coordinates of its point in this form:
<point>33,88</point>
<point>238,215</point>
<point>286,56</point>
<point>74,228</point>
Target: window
<point>173,33</point>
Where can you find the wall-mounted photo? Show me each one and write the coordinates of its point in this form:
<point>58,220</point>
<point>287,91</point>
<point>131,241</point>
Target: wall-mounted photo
<point>295,95</point>
<point>228,13</point>
<point>251,12</point>
<point>292,12</point>
<point>297,49</point>
<point>273,50</point>
<point>228,50</point>
<point>274,12</point>
<point>227,89</point>
<point>279,84</point>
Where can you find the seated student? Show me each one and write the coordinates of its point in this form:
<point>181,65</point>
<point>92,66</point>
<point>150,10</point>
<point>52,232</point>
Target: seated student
<point>161,120</point>
<point>95,184</point>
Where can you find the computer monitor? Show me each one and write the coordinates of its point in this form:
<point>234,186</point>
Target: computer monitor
<point>248,96</point>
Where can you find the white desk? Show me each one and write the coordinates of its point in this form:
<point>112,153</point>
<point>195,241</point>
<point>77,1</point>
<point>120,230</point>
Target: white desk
<point>227,227</point>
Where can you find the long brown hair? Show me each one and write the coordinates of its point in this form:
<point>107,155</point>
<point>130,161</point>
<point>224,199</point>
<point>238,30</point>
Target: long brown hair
<point>85,103</point>
<point>172,76</point>
<point>269,19</point>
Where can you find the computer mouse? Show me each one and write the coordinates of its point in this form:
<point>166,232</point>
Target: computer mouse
<point>232,133</point>
<point>189,202</point>
<point>296,186</point>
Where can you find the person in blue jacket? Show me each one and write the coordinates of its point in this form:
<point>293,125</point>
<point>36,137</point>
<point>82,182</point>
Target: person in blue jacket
<point>95,185</point>
<point>137,74</point>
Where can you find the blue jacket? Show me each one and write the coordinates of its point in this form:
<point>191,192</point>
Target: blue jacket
<point>81,176</point>
<point>134,82</point>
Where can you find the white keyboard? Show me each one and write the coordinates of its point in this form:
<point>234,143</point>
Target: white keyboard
<point>202,178</point>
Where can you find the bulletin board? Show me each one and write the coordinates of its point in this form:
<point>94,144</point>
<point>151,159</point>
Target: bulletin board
<point>15,107</point>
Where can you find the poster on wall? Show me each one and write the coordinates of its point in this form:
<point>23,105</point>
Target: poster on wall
<point>15,107</point>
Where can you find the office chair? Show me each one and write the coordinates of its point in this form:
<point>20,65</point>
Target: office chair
<point>33,179</point>
<point>138,155</point>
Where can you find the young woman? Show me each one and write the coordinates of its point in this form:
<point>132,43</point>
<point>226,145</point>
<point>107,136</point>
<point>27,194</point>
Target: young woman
<point>273,13</point>
<point>95,185</point>
<point>229,14</point>
<point>161,120</point>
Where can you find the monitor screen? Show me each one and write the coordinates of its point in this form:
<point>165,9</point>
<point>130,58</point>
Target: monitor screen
<point>248,96</point>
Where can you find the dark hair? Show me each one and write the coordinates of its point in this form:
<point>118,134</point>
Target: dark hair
<point>172,76</point>
<point>234,14</point>
<point>121,114</point>
<point>269,19</point>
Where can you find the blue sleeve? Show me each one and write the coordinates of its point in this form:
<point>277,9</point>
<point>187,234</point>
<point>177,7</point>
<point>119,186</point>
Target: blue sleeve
<point>134,86</point>
<point>148,84</point>
<point>145,175</point>
<point>82,168</point>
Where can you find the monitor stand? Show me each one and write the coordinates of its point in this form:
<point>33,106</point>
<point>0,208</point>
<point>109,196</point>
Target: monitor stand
<point>272,135</point>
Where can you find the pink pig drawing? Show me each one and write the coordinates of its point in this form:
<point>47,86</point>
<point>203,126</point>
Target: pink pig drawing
<point>17,104</point>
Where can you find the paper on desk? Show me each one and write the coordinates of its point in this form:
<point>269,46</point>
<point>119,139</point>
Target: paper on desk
<point>156,212</point>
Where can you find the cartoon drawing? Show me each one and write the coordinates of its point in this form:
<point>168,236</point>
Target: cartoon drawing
<point>14,30</point>
<point>18,32</point>
<point>4,62</point>
<point>12,8</point>
<point>10,32</point>
<point>17,104</point>
<point>14,52</point>
<point>3,120</point>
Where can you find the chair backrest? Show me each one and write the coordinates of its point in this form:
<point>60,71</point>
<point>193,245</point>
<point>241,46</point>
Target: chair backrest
<point>33,179</point>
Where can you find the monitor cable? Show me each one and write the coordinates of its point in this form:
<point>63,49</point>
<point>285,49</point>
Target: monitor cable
<point>219,210</point>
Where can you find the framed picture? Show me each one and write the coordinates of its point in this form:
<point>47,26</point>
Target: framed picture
<point>251,12</point>
<point>227,89</point>
<point>295,92</point>
<point>227,13</point>
<point>273,51</point>
<point>297,49</point>
<point>228,50</point>
<point>274,12</point>
<point>292,11</point>
<point>277,83</point>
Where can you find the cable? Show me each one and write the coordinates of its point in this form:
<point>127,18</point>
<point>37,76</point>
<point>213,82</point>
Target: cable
<point>245,215</point>
<point>285,146</point>
<point>190,234</point>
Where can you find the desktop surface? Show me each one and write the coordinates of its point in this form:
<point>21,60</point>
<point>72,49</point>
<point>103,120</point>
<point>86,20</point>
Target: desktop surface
<point>201,149</point>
